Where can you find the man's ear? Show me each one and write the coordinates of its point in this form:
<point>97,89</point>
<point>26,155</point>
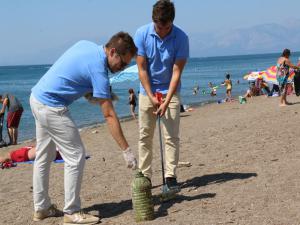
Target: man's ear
<point>112,51</point>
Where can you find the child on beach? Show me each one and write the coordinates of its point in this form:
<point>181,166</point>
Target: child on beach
<point>196,89</point>
<point>228,85</point>
<point>213,90</point>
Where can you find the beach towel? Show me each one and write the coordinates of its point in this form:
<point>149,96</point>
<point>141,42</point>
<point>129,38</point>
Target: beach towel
<point>7,165</point>
<point>55,161</point>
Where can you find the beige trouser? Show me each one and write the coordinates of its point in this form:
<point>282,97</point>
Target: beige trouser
<point>170,125</point>
<point>55,127</point>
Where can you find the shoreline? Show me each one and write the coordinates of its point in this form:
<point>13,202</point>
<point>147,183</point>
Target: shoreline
<point>128,117</point>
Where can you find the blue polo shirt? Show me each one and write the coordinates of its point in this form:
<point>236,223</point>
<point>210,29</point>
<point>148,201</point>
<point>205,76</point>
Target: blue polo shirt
<point>81,69</point>
<point>161,55</point>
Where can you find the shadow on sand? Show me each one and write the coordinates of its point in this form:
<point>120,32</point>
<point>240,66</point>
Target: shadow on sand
<point>107,210</point>
<point>215,178</point>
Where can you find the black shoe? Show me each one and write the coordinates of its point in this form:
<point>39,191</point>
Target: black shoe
<point>172,184</point>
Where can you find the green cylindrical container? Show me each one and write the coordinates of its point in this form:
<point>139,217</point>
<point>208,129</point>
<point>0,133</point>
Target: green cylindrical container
<point>142,198</point>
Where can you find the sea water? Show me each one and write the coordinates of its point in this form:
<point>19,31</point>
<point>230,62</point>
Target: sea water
<point>18,80</point>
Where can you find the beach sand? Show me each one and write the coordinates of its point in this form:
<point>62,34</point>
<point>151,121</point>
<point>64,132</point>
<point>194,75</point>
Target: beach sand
<point>245,170</point>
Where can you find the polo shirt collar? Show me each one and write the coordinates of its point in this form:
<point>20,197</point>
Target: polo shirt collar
<point>153,32</point>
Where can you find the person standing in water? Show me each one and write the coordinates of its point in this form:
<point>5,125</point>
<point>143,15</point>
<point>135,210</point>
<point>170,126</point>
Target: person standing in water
<point>228,84</point>
<point>132,102</point>
<point>14,113</point>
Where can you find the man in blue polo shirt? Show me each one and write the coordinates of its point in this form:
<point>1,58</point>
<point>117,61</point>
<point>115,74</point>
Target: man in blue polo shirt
<point>163,49</point>
<point>81,70</point>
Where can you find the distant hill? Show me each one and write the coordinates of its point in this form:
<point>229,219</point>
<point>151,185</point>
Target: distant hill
<point>265,38</point>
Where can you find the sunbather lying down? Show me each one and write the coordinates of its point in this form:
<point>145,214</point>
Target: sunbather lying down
<point>23,154</point>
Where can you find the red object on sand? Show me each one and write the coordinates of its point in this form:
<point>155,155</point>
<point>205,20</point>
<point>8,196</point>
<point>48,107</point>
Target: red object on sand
<point>20,155</point>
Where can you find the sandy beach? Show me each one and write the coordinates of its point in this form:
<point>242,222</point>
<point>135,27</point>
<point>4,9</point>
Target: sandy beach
<point>245,170</point>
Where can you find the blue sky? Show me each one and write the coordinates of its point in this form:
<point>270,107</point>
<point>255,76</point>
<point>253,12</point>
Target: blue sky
<point>36,32</point>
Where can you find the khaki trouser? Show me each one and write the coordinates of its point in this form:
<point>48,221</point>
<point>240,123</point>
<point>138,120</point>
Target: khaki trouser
<point>170,125</point>
<point>55,127</point>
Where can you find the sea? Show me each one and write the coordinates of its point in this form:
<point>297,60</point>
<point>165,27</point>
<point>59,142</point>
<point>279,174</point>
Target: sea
<point>18,80</point>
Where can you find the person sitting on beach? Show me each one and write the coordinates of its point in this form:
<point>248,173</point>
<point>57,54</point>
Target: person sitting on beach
<point>213,90</point>
<point>132,102</point>
<point>83,68</point>
<point>14,113</point>
<point>196,89</point>
<point>262,86</point>
<point>252,90</point>
<point>23,154</point>
<point>283,70</point>
<point>228,85</point>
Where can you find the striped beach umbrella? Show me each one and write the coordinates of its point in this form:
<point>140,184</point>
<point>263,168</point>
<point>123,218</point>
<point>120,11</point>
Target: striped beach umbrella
<point>254,75</point>
<point>270,75</point>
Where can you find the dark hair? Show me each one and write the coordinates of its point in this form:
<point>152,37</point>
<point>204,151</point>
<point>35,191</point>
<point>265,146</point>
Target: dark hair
<point>163,12</point>
<point>130,91</point>
<point>123,43</point>
<point>227,76</point>
<point>286,53</point>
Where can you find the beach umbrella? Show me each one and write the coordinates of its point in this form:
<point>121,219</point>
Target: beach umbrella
<point>253,75</point>
<point>270,75</point>
<point>129,74</point>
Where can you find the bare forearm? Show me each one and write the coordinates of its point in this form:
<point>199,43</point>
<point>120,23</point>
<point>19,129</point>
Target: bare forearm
<point>146,83</point>
<point>143,74</point>
<point>116,131</point>
<point>113,123</point>
<point>4,104</point>
<point>290,64</point>
<point>177,71</point>
<point>173,87</point>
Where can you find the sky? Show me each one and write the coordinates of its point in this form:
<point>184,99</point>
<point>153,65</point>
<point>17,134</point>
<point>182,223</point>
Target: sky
<point>38,32</point>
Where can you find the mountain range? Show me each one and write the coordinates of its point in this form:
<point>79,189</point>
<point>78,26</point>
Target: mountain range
<point>264,38</point>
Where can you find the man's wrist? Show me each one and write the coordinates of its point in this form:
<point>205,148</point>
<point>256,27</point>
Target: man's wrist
<point>126,149</point>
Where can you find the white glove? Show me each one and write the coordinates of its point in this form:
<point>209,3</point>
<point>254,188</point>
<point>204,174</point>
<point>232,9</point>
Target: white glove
<point>130,158</point>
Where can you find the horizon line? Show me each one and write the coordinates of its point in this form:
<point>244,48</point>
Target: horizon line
<point>194,57</point>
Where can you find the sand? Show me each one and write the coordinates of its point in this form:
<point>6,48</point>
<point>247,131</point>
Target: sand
<point>245,164</point>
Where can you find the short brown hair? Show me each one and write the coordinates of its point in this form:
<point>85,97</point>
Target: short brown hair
<point>123,43</point>
<point>163,12</point>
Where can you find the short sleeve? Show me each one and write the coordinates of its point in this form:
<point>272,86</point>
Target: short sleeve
<point>182,47</point>
<point>100,83</point>
<point>139,42</point>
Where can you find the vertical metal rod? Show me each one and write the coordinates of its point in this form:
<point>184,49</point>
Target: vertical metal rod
<point>161,151</point>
